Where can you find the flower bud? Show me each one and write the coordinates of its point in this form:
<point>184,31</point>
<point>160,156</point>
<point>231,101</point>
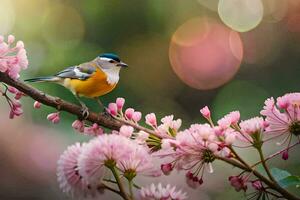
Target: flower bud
<point>37,105</point>
<point>129,113</point>
<point>120,103</point>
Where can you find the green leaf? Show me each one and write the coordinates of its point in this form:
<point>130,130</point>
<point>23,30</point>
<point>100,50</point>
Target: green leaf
<point>279,174</point>
<point>289,181</point>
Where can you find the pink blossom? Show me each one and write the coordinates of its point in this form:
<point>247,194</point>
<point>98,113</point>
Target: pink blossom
<point>103,151</point>
<point>141,137</point>
<point>112,109</point>
<point>37,105</point>
<point>166,168</point>
<point>205,112</point>
<point>136,116</point>
<point>238,182</point>
<point>159,192</point>
<point>193,149</point>
<point>120,103</point>
<point>230,137</point>
<point>12,90</point>
<point>68,176</point>
<point>253,125</point>
<point>169,126</point>
<point>78,125</point>
<point>129,113</point>
<point>151,119</point>
<point>18,95</point>
<point>54,117</point>
<point>16,109</point>
<point>285,155</point>
<point>137,161</point>
<point>287,121</point>
<point>257,185</point>
<point>230,119</point>
<point>126,131</point>
<point>93,130</point>
<point>252,129</point>
<point>12,59</point>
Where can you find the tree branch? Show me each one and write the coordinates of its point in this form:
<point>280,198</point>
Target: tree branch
<point>102,119</point>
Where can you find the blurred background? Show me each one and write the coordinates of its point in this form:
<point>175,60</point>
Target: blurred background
<point>183,55</point>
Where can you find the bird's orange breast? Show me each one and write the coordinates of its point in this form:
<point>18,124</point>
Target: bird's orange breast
<point>94,86</point>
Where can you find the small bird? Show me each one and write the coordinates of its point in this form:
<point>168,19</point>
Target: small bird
<point>91,79</point>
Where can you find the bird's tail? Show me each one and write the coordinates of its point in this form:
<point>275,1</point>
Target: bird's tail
<point>43,79</point>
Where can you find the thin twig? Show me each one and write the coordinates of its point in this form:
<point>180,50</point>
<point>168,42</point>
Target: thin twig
<point>276,187</point>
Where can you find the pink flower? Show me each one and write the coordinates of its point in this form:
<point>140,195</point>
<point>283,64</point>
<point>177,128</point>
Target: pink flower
<point>129,113</point>
<point>230,137</point>
<point>230,119</point>
<point>54,117</point>
<point>193,149</point>
<point>286,122</point>
<point>112,109</point>
<point>136,116</point>
<point>126,131</point>
<point>68,176</point>
<point>19,95</point>
<point>151,119</point>
<point>205,112</point>
<point>159,192</point>
<point>253,125</point>
<point>169,127</point>
<point>103,151</point>
<point>78,125</point>
<point>120,103</point>
<point>93,130</point>
<point>285,155</point>
<point>257,185</point>
<point>137,161</point>
<point>166,168</point>
<point>238,182</point>
<point>141,137</point>
<point>12,90</point>
<point>252,129</point>
<point>37,105</point>
<point>12,59</point>
<point>16,109</point>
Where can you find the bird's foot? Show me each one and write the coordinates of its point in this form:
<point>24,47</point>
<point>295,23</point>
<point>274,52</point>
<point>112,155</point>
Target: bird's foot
<point>85,112</point>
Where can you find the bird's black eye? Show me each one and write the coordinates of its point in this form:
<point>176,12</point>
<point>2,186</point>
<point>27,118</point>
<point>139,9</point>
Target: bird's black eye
<point>111,61</point>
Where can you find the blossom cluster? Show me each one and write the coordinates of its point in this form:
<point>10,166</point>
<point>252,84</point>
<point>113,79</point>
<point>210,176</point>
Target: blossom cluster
<point>82,168</point>
<point>12,59</point>
<point>193,150</point>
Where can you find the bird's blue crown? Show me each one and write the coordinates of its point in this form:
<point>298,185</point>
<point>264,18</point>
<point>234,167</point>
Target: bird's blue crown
<point>110,56</point>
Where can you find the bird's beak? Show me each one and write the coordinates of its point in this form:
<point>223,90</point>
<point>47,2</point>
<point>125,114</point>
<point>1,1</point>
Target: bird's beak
<point>121,64</point>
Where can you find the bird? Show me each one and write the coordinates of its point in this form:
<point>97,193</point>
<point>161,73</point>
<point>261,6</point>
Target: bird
<point>91,79</point>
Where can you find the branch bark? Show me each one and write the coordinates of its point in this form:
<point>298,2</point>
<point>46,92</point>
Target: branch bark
<point>102,119</point>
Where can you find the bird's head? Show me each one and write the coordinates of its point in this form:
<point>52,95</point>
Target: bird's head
<point>110,60</point>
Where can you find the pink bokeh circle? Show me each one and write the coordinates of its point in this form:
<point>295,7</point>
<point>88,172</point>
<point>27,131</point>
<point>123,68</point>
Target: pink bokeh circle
<point>211,55</point>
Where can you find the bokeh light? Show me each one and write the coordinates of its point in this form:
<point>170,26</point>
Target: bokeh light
<point>63,25</point>
<point>259,47</point>
<point>208,58</point>
<point>7,17</point>
<point>211,4</point>
<point>241,15</point>
<point>275,10</point>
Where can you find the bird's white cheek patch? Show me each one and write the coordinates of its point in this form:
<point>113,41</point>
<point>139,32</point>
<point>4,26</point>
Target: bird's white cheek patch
<point>112,75</point>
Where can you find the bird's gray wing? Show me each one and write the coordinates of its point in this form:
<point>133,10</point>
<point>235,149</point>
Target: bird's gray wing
<point>81,72</point>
